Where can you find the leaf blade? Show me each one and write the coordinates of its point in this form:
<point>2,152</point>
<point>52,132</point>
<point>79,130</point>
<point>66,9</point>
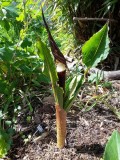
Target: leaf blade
<point>50,70</point>
<point>74,88</point>
<point>96,48</point>
<point>114,146</point>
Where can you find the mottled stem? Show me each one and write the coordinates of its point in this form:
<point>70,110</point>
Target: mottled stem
<point>61,126</point>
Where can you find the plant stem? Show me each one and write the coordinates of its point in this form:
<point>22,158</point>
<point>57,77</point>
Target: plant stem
<point>61,126</point>
<point>60,112</point>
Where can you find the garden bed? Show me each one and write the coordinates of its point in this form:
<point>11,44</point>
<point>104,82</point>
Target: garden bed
<point>87,132</point>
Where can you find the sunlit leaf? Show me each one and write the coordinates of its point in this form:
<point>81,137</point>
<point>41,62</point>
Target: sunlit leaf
<point>96,49</point>
<point>72,90</point>
<point>50,70</point>
<point>5,142</point>
<point>112,149</point>
<point>21,17</point>
<point>11,11</point>
<point>5,4</point>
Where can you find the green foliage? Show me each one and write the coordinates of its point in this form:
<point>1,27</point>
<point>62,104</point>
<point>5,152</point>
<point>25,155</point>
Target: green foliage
<point>60,28</point>
<point>50,70</point>
<point>95,78</point>
<point>5,142</point>
<point>20,66</point>
<point>96,49</point>
<point>19,63</point>
<point>72,89</point>
<point>72,86</point>
<point>96,46</point>
<point>112,149</point>
<point>108,6</point>
<point>83,8</point>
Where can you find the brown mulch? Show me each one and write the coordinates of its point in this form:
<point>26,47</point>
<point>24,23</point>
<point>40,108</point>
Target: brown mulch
<point>87,132</point>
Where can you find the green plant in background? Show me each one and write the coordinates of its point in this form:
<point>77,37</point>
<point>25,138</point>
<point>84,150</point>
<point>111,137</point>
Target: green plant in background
<point>5,142</point>
<point>112,149</point>
<point>5,136</point>
<point>61,29</point>
<point>83,8</point>
<point>93,51</point>
<point>20,66</point>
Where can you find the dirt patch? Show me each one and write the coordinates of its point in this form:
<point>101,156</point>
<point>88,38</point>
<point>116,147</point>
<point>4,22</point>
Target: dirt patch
<point>87,133</point>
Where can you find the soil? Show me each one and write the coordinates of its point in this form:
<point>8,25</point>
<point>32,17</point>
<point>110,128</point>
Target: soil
<point>87,131</point>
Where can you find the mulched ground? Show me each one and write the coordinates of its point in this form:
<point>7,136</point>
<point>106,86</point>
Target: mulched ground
<point>87,132</point>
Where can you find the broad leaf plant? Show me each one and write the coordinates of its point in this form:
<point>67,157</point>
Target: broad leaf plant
<point>112,149</point>
<point>65,90</point>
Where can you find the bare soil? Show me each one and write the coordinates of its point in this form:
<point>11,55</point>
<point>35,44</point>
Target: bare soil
<point>87,132</point>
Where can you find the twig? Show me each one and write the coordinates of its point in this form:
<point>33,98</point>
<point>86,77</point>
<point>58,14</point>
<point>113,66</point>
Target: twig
<point>94,19</point>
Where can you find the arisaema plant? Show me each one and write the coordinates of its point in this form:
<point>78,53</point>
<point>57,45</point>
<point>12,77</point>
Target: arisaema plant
<point>65,91</point>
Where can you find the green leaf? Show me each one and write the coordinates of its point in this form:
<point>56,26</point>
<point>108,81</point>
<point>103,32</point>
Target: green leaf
<point>26,69</point>
<point>8,123</point>
<point>26,42</point>
<point>4,87</point>
<point>96,49</point>
<point>6,24</point>
<point>21,17</point>
<point>11,11</point>
<point>72,90</point>
<point>41,78</point>
<point>5,142</point>
<point>67,84</point>
<point>4,4</point>
<point>6,54</point>
<point>112,149</point>
<point>72,86</point>
<point>50,70</point>
<point>95,77</point>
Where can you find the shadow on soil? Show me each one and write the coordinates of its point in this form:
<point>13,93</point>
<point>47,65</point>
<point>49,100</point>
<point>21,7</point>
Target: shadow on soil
<point>93,149</point>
